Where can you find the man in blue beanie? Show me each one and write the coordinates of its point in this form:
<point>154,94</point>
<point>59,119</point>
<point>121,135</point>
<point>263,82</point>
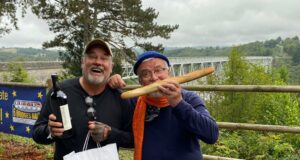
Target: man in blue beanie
<point>167,124</point>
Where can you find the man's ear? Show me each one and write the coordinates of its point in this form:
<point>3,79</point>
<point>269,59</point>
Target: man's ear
<point>81,62</point>
<point>112,67</point>
<point>140,81</point>
<point>170,73</point>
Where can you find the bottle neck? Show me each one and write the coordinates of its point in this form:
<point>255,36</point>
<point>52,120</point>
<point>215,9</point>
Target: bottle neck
<point>54,78</point>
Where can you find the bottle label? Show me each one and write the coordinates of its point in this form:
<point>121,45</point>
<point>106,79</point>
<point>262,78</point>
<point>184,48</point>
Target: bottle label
<point>65,115</point>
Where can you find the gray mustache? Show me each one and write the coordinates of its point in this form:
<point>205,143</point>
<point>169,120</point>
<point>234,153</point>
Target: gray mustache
<point>99,68</point>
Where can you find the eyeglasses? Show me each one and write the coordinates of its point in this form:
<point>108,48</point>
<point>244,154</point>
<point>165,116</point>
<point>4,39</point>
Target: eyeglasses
<point>147,74</point>
<point>151,113</point>
<point>91,111</point>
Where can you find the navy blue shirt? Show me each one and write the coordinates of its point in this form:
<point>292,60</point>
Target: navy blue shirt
<point>174,134</point>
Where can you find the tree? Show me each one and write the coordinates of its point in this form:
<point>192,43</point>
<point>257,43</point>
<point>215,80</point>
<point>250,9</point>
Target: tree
<point>292,47</point>
<point>261,108</point>
<point>115,21</point>
<point>236,72</point>
<point>271,43</point>
<point>8,14</point>
<point>17,73</point>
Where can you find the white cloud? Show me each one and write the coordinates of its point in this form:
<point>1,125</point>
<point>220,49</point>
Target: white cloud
<point>201,22</point>
<point>32,33</point>
<point>227,22</point>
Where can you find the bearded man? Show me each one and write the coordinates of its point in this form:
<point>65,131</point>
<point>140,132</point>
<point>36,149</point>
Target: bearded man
<point>112,118</point>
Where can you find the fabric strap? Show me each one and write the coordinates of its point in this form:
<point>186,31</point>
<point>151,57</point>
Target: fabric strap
<point>86,142</point>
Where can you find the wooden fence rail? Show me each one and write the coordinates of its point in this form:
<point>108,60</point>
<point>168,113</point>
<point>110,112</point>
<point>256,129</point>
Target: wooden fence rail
<point>244,126</point>
<point>227,88</point>
<point>259,127</point>
<point>245,88</point>
<point>209,157</point>
<point>222,88</point>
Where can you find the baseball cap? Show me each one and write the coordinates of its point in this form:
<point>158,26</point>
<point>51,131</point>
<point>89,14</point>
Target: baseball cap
<point>99,43</point>
<point>147,55</point>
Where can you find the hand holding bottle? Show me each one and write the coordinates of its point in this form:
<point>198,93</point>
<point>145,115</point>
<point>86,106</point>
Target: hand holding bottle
<point>60,108</point>
<point>55,128</point>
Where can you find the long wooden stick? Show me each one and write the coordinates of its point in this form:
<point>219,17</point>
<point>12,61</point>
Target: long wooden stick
<point>258,127</point>
<point>180,79</point>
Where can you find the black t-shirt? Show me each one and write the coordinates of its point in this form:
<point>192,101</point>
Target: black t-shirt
<point>110,109</point>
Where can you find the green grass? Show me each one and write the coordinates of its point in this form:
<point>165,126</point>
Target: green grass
<point>126,154</point>
<point>21,144</point>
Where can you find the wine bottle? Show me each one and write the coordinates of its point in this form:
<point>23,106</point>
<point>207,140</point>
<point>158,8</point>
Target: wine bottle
<point>59,104</point>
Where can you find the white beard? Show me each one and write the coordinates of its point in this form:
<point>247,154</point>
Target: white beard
<point>92,79</point>
<point>95,81</point>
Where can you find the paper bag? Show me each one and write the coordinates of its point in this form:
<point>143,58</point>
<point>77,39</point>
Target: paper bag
<point>108,152</point>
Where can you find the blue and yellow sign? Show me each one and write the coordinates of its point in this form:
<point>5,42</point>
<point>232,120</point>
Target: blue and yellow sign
<point>19,108</point>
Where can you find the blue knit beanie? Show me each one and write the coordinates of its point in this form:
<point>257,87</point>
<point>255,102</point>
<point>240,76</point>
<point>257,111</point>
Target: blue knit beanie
<point>147,55</point>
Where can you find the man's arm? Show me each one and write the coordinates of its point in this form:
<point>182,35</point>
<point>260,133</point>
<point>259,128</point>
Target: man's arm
<point>193,113</point>
<point>41,131</point>
<point>116,82</point>
<point>124,135</point>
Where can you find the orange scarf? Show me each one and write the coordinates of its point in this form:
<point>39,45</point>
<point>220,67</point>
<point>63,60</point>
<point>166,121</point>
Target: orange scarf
<point>139,121</point>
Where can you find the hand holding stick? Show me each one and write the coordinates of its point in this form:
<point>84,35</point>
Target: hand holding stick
<point>180,79</point>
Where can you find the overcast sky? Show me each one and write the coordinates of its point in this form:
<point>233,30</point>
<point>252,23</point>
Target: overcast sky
<point>201,23</point>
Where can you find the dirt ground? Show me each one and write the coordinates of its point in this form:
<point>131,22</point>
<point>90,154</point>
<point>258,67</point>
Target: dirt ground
<point>12,149</point>
<point>19,148</point>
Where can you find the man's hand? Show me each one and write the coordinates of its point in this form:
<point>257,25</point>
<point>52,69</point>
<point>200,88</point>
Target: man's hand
<point>172,90</point>
<point>116,81</point>
<point>55,128</point>
<point>99,131</point>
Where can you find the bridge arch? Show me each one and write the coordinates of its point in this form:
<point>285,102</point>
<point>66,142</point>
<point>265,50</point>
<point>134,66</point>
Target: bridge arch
<point>183,65</point>
<point>41,70</point>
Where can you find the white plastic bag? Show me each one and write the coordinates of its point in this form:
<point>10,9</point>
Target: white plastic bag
<point>108,152</point>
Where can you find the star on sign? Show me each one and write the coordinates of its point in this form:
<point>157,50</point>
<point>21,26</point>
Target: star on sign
<point>28,129</point>
<point>12,128</point>
<point>6,115</point>
<point>14,93</point>
<point>40,95</point>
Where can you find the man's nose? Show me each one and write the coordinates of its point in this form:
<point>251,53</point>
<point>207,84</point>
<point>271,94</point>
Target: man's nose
<point>98,61</point>
<point>154,77</point>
